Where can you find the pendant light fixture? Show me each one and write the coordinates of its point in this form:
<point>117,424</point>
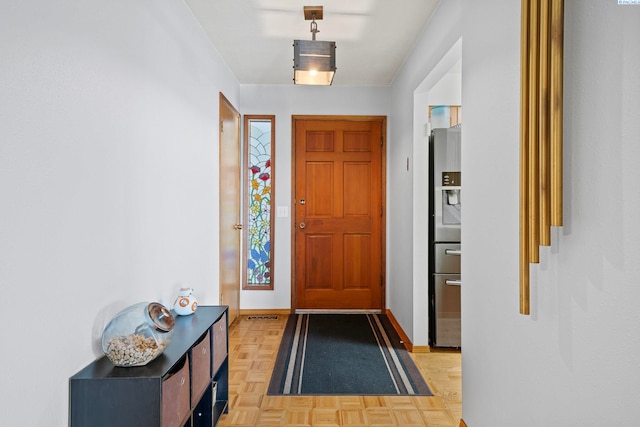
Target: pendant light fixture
<point>314,61</point>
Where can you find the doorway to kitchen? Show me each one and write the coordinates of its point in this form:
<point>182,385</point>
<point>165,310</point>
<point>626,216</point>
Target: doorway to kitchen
<point>441,87</point>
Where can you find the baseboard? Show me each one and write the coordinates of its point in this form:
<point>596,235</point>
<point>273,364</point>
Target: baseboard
<point>462,423</point>
<point>421,349</point>
<point>403,336</point>
<point>263,312</point>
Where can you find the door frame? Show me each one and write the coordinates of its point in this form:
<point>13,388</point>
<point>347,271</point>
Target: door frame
<point>383,197</point>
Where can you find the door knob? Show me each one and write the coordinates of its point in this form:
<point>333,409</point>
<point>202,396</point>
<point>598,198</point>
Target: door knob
<point>237,227</point>
<point>303,225</point>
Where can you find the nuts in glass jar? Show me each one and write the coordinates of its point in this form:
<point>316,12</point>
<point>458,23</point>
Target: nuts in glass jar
<point>133,349</point>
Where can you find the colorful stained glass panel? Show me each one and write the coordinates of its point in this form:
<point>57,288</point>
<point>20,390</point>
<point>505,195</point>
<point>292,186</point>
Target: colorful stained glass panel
<point>259,203</point>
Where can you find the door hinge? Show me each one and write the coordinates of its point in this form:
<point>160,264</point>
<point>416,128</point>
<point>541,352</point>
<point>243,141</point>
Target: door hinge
<point>221,126</point>
<point>381,281</point>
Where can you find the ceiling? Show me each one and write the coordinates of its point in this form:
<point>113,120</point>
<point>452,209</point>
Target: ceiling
<point>255,37</point>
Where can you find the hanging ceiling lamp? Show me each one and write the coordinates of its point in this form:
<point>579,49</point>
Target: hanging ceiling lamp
<point>314,61</point>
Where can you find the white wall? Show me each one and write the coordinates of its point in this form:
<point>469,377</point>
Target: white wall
<point>108,181</point>
<point>574,360</point>
<point>285,101</point>
<point>448,91</point>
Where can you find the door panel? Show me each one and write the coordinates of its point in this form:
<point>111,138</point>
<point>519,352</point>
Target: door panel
<point>319,189</point>
<point>357,273</point>
<point>230,226</point>
<point>356,177</point>
<point>319,261</point>
<point>339,215</point>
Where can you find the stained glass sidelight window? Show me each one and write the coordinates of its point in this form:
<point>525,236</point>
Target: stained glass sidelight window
<point>259,149</point>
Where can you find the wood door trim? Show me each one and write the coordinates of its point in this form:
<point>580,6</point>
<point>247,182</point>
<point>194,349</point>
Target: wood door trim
<point>383,196</point>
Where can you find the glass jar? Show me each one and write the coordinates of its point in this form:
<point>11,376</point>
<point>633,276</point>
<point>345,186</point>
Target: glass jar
<point>138,334</point>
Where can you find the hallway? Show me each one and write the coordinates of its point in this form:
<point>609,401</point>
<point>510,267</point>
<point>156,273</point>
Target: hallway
<point>253,346</point>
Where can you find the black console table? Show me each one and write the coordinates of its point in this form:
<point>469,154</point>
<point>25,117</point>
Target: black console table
<point>186,386</point>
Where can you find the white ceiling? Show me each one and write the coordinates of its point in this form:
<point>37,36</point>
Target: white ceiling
<point>255,37</point>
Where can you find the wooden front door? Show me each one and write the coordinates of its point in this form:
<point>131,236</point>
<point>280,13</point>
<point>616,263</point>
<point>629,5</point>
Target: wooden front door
<point>339,212</point>
<point>230,226</point>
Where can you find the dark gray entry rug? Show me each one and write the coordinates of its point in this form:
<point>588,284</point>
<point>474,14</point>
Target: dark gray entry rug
<point>344,354</point>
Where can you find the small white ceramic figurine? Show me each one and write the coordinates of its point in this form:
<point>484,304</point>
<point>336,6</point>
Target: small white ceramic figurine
<point>185,303</point>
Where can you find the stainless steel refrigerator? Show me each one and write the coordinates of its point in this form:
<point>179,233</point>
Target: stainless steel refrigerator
<point>445,208</point>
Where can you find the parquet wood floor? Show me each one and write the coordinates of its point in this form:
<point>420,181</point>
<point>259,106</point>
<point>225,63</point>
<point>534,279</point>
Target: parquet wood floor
<point>253,346</point>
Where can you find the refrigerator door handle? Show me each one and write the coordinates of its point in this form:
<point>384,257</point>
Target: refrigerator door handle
<point>453,252</point>
<point>451,282</point>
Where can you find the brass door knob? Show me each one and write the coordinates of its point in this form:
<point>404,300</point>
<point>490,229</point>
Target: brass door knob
<point>302,225</point>
<point>237,227</point>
